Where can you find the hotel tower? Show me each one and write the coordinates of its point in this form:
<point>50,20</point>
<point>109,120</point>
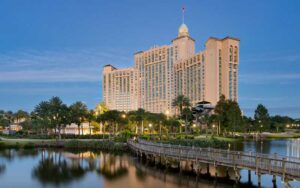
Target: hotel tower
<point>161,73</point>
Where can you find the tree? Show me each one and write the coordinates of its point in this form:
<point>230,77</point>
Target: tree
<point>279,123</point>
<point>59,114</point>
<point>234,116</point>
<point>4,122</point>
<point>100,108</point>
<point>249,124</point>
<point>181,102</point>
<point>20,115</point>
<point>262,118</point>
<point>173,124</point>
<point>91,116</point>
<point>138,117</point>
<point>187,115</point>
<point>111,117</point>
<point>79,113</point>
<point>9,115</point>
<point>53,114</point>
<point>156,120</point>
<point>220,111</point>
<point>228,114</point>
<point>41,117</point>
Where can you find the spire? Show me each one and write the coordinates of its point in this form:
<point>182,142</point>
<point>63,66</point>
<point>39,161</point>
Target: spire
<point>183,29</point>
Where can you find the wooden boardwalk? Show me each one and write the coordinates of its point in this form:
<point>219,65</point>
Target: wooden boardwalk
<point>286,167</point>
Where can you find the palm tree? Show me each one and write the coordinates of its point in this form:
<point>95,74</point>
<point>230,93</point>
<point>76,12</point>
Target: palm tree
<point>79,113</point>
<point>9,115</point>
<point>100,108</point>
<point>140,117</point>
<point>20,115</point>
<point>172,124</point>
<point>59,114</point>
<point>90,117</point>
<point>181,102</point>
<point>112,117</point>
<point>188,117</point>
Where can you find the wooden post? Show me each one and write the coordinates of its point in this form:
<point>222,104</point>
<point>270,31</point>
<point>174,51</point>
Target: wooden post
<point>249,176</point>
<point>227,173</point>
<point>274,181</point>
<point>259,180</point>
<point>236,174</point>
<point>216,173</point>
<point>207,169</point>
<point>283,169</point>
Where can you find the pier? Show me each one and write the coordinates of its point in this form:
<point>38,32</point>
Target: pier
<point>288,168</point>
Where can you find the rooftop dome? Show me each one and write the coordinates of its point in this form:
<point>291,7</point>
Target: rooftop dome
<point>183,30</point>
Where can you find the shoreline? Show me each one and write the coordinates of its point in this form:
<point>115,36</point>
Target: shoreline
<point>104,145</point>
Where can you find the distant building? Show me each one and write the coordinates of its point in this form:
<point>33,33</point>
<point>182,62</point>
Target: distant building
<point>201,111</point>
<point>164,72</point>
<point>73,129</point>
<point>15,127</point>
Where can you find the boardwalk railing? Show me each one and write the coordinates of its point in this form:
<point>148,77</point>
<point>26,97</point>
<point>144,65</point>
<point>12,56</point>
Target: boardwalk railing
<point>286,167</point>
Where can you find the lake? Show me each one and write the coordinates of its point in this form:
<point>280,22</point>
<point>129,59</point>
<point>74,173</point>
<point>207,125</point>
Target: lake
<point>58,168</point>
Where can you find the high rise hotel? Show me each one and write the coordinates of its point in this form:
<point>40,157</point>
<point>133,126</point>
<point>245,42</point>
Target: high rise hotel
<point>164,72</point>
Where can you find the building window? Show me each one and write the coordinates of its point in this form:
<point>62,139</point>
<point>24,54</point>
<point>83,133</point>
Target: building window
<point>230,53</point>
<point>235,54</point>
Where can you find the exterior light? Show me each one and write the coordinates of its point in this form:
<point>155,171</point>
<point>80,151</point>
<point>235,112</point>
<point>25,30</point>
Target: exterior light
<point>213,126</point>
<point>194,125</point>
<point>150,125</point>
<point>124,116</point>
<point>167,112</point>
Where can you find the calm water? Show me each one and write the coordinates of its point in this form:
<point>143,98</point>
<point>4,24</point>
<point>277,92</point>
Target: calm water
<point>57,168</point>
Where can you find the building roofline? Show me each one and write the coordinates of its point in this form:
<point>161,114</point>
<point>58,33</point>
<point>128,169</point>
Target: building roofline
<point>109,65</point>
<point>138,52</point>
<point>183,37</point>
<point>225,38</point>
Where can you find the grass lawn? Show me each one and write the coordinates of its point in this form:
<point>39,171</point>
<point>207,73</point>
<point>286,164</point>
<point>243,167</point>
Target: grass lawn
<point>220,138</point>
<point>283,135</point>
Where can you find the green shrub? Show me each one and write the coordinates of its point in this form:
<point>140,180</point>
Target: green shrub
<point>123,136</point>
<point>29,145</point>
<point>204,143</point>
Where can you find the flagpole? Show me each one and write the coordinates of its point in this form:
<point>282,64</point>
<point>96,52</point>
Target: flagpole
<point>183,10</point>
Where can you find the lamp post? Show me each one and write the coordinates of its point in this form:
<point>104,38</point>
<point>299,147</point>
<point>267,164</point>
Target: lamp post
<point>213,128</point>
<point>150,127</point>
<point>160,129</point>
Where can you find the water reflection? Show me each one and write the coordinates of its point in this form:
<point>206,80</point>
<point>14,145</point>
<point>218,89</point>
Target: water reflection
<point>293,148</point>
<point>11,154</point>
<point>2,169</point>
<point>112,167</point>
<point>53,168</point>
<point>59,168</point>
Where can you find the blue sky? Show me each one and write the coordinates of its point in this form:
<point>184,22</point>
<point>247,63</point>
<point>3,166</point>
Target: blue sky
<point>58,48</point>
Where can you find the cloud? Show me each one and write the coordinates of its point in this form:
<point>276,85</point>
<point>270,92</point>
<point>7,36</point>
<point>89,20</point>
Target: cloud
<point>258,99</point>
<point>265,78</point>
<point>53,66</point>
<point>272,58</point>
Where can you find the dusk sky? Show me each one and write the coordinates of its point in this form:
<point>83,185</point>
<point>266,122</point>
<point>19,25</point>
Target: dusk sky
<point>58,47</point>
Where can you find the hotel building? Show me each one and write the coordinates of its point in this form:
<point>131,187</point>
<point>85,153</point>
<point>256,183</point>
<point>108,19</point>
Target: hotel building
<point>163,72</point>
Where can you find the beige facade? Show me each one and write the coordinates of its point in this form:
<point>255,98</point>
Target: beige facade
<point>119,88</point>
<point>164,72</point>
